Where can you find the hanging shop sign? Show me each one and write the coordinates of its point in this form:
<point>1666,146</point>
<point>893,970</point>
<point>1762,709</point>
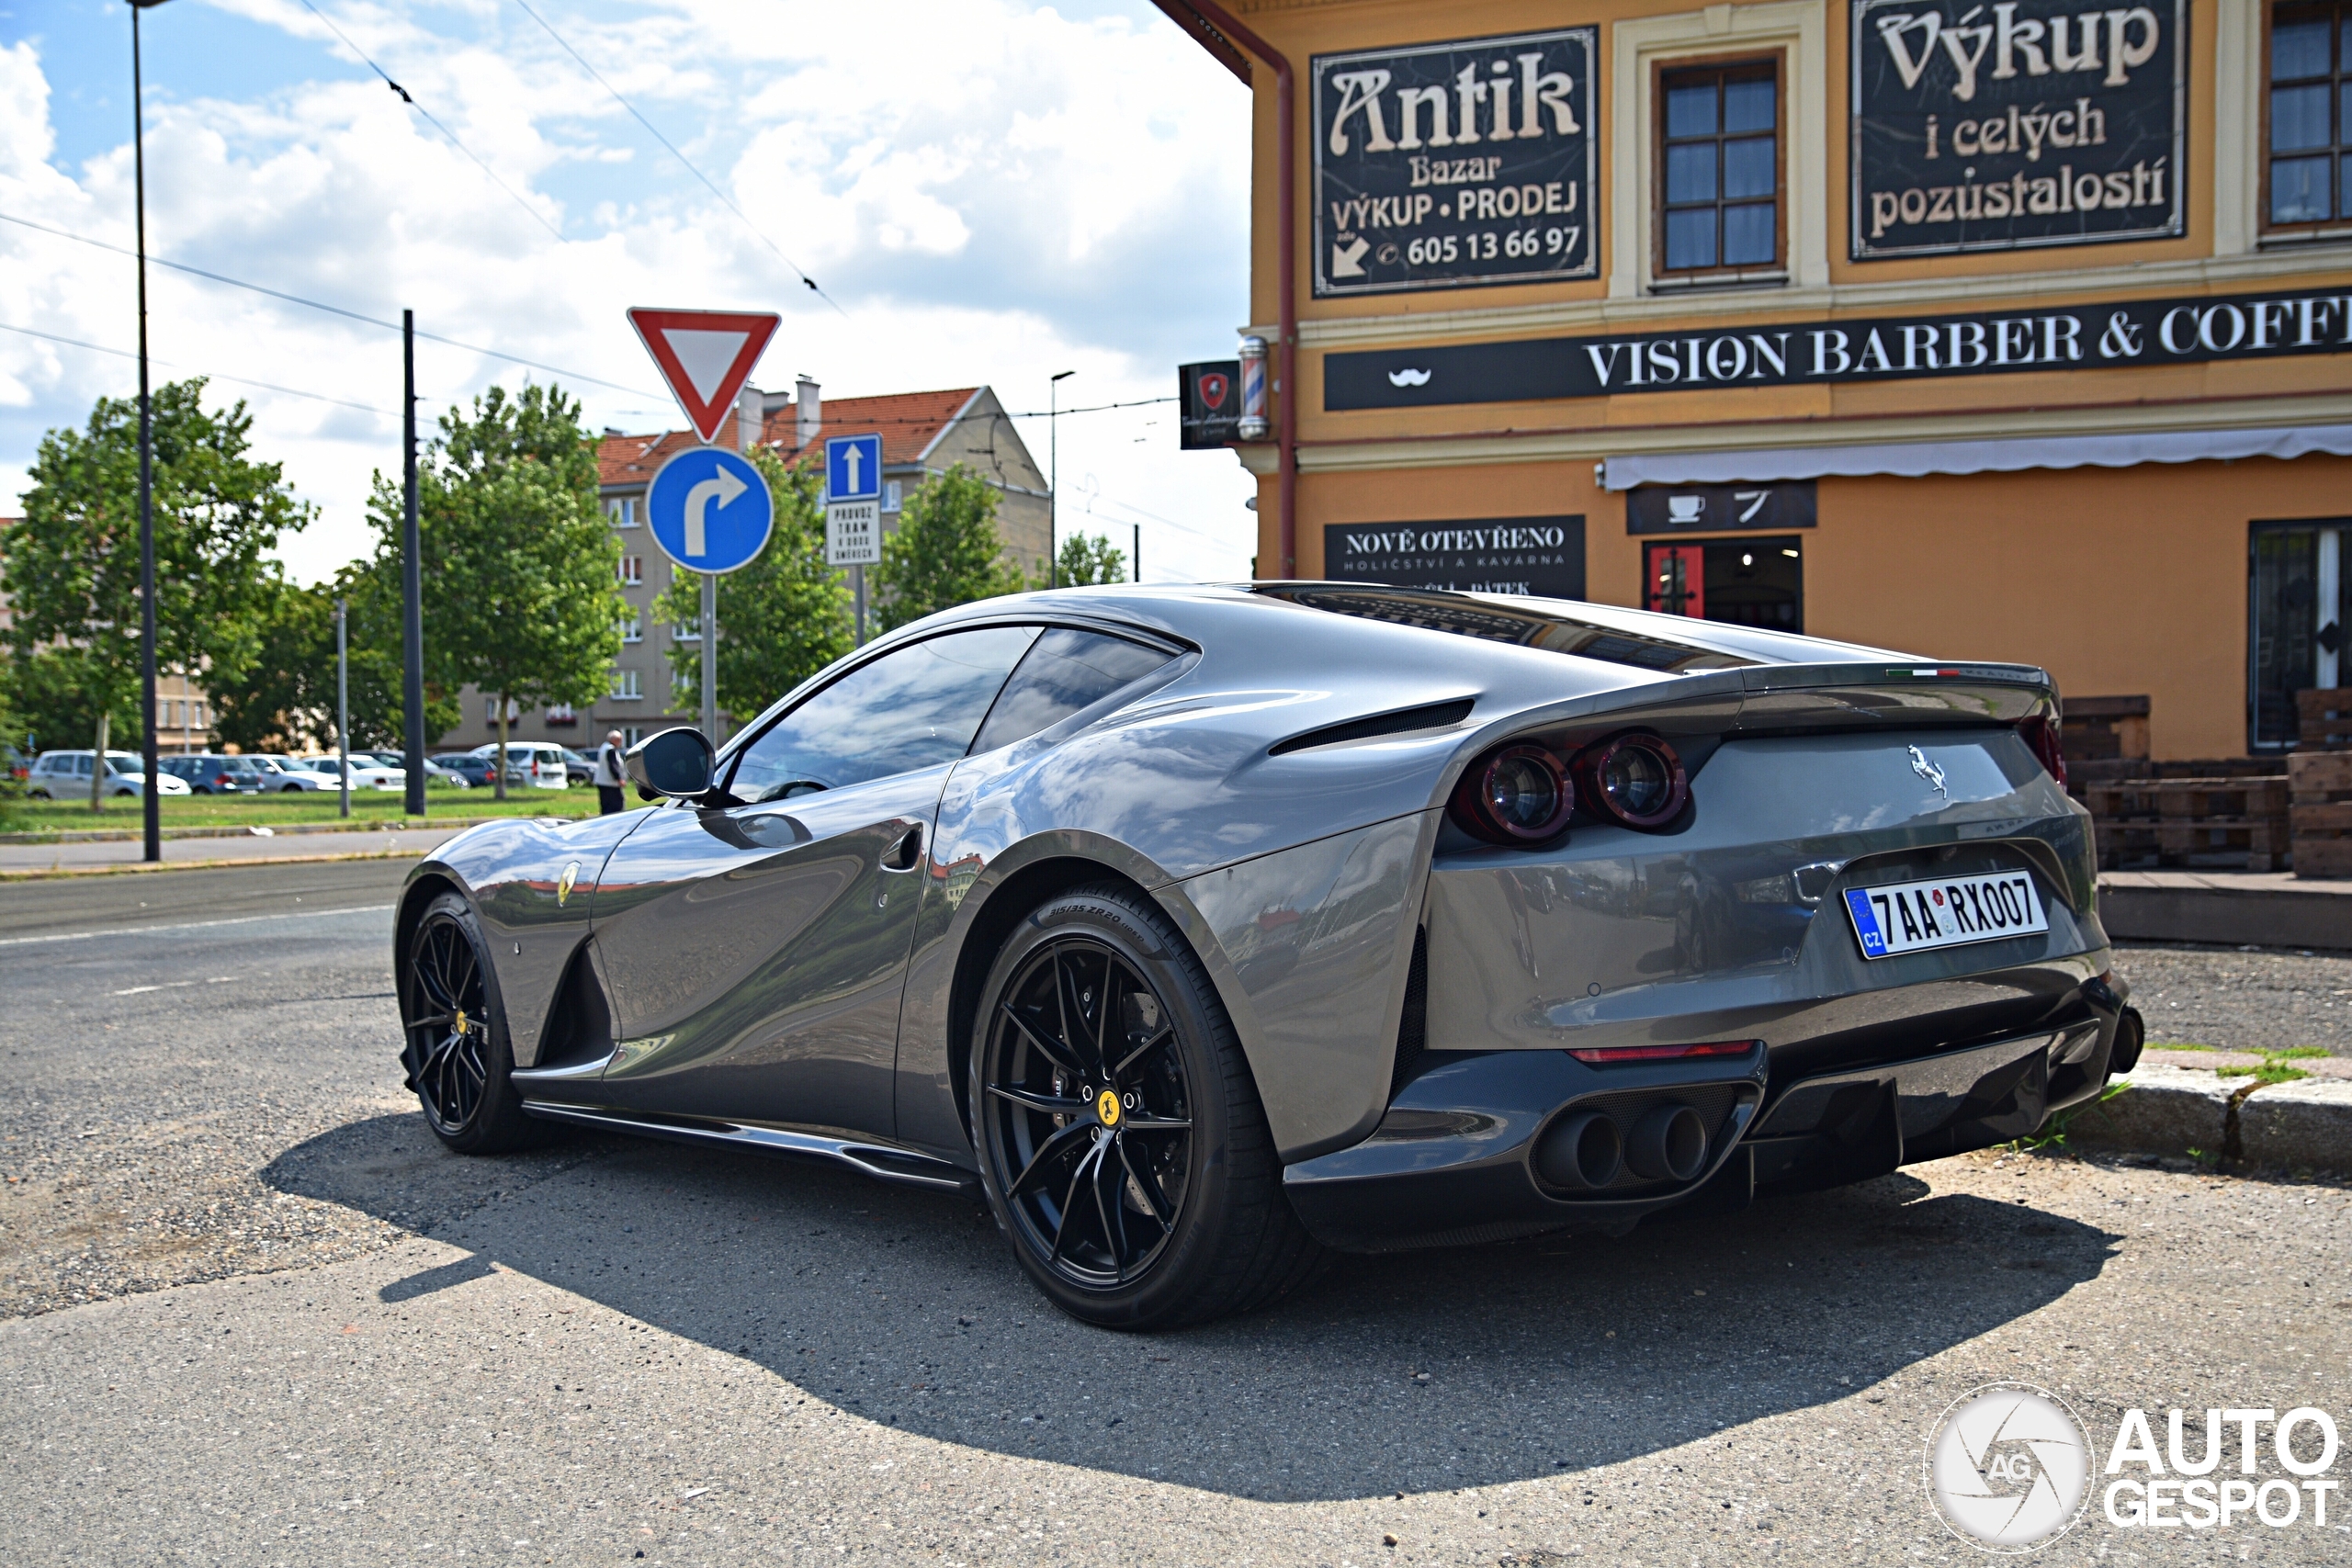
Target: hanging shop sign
<point>1713,509</point>
<point>1487,555</point>
<point>1448,165</point>
<point>2028,123</point>
<point>1209,404</point>
<point>2111,336</point>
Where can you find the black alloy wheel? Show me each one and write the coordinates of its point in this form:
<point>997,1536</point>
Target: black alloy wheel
<point>1124,1147</point>
<point>456,1053</point>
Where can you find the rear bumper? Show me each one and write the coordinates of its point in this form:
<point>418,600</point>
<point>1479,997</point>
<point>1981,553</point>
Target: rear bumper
<point>1454,1160</point>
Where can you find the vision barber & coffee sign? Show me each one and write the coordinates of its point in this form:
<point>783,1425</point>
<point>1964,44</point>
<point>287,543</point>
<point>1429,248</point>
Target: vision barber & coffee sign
<point>1445,166</point>
<point>1982,127</point>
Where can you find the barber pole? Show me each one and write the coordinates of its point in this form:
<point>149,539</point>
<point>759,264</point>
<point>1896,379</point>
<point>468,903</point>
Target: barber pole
<point>1253,426</point>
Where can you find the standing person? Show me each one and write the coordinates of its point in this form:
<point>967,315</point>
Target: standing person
<point>610,775</point>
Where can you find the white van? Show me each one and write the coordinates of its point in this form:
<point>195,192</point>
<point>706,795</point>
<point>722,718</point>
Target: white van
<point>542,763</point>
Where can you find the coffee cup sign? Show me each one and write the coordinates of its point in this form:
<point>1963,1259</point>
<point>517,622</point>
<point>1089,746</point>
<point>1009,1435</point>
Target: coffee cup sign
<point>1720,508</point>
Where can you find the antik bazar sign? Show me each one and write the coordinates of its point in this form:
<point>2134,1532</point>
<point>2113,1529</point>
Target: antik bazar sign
<point>2078,337</point>
<point>2027,122</point>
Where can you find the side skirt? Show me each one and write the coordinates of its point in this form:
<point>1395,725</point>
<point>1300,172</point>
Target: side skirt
<point>880,1161</point>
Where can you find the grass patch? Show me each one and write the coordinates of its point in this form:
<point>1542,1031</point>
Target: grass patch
<point>2178,1045</point>
<point>2272,1070</point>
<point>368,807</point>
<point>2051,1138</point>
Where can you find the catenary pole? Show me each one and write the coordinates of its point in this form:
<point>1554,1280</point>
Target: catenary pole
<point>411,580</point>
<point>342,704</point>
<point>151,804</point>
<point>1053,479</point>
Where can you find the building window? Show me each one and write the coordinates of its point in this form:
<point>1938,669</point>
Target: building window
<point>1749,582</point>
<point>622,511</point>
<point>2310,113</point>
<point>632,569</point>
<point>2302,601</point>
<point>893,492</point>
<point>625,686</point>
<point>560,715</point>
<point>490,711</point>
<point>633,629</point>
<point>631,734</point>
<point>1718,199</point>
<point>687,631</point>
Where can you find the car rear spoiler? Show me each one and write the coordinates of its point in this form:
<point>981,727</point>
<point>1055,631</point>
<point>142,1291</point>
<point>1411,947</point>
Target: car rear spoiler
<point>1884,692</point>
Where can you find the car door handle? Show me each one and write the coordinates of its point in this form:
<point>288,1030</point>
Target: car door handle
<point>907,853</point>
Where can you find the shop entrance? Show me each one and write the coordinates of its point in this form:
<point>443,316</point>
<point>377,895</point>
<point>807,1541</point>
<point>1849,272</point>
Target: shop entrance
<point>2295,623</point>
<point>1749,582</point>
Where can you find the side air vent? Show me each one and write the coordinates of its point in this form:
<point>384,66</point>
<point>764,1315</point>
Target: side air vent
<point>1429,715</point>
<point>1413,1025</point>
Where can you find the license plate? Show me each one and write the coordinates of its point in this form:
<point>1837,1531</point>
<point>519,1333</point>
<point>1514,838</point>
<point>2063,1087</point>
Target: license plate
<point>1910,917</point>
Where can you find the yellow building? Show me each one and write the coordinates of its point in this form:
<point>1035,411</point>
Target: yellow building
<point>2014,330</point>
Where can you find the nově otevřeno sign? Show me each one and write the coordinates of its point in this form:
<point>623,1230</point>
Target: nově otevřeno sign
<point>2111,336</point>
<point>1543,556</point>
<point>1989,127</point>
<point>1446,165</point>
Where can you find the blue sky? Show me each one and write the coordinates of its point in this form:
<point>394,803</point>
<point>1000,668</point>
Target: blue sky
<point>990,190</point>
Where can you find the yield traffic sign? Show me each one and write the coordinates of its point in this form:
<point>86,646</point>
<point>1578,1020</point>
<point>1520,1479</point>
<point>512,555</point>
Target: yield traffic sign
<point>710,510</point>
<point>706,356</point>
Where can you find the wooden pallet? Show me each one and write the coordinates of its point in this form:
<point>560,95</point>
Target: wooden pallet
<point>2321,813</point>
<point>2324,718</point>
<point>2081,775</point>
<point>2214,822</point>
<point>2098,729</point>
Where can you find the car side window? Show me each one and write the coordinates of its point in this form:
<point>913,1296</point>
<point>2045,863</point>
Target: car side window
<point>1067,670</point>
<point>907,709</point>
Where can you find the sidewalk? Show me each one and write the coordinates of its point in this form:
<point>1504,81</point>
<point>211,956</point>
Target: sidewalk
<point>2231,908</point>
<point>19,862</point>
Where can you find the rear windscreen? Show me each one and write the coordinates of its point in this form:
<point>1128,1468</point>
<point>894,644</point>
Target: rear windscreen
<point>1489,622</point>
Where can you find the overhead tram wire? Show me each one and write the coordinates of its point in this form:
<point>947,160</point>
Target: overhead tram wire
<point>537,216</point>
<point>208,375</point>
<point>652,130</point>
<point>335,309</point>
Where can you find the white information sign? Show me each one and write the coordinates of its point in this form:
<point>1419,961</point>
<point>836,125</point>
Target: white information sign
<point>853,533</point>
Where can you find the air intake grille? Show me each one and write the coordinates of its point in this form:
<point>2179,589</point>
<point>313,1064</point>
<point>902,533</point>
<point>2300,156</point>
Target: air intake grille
<point>1413,1026</point>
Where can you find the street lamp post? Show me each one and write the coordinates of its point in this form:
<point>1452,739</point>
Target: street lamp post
<point>1053,479</point>
<point>150,797</point>
<point>342,704</point>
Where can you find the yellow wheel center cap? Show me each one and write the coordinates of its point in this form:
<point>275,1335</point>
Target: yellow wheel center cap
<point>1107,1107</point>
<point>461,1020</point>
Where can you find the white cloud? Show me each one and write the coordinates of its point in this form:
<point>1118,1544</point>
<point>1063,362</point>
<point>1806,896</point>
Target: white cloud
<point>992,191</point>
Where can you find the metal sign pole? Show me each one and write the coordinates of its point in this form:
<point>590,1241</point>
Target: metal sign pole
<point>710,657</point>
<point>857,583</point>
<point>342,704</point>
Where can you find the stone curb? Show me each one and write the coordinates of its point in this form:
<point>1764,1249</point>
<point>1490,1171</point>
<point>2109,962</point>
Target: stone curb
<point>2302,1125</point>
<point>276,829</point>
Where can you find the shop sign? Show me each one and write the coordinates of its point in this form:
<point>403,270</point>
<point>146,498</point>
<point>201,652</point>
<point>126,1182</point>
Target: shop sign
<point>2112,335</point>
<point>1541,556</point>
<point>1448,165</point>
<point>2029,122</point>
<point>1711,509</point>
<point>1209,404</point>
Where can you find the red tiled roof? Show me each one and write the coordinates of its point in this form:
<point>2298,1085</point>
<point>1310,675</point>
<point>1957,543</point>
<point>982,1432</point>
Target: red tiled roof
<point>910,423</point>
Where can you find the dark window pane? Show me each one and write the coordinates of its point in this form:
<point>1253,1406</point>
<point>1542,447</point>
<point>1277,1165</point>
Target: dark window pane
<point>2286,581</point>
<point>2299,190</point>
<point>2343,112</point>
<point>1748,168</point>
<point>1065,671</point>
<point>1690,111</point>
<point>1748,105</point>
<point>1691,238</point>
<point>2344,193</point>
<point>906,710</point>
<point>2298,118</point>
<point>1691,172</point>
<point>1747,235</point>
<point>2299,49</point>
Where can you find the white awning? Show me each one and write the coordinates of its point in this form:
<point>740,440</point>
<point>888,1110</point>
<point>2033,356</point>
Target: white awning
<point>1914,459</point>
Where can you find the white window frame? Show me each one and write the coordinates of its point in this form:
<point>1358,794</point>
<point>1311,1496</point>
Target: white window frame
<point>1799,30</point>
<point>632,571</point>
<point>621,510</point>
<point>633,629</point>
<point>627,686</point>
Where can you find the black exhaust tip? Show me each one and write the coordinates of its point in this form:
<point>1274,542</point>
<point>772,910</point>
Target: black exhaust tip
<point>1667,1144</point>
<point>2131,1033</point>
<point>1581,1152</point>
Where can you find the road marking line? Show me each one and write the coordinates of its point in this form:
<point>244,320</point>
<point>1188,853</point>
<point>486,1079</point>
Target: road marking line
<point>192,925</point>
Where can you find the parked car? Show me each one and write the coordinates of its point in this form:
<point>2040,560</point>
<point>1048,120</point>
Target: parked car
<point>366,772</point>
<point>207,773</point>
<point>65,775</point>
<point>542,763</point>
<point>434,767</point>
<point>1199,930</point>
<point>476,770</point>
<point>281,774</point>
<point>15,762</point>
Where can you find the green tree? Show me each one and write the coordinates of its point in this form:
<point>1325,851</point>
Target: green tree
<point>70,567</point>
<point>782,618</point>
<point>520,571</point>
<point>946,551</point>
<point>1090,558</point>
<point>286,691</point>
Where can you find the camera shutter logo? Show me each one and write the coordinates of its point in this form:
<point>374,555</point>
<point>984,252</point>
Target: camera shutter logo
<point>2009,1467</point>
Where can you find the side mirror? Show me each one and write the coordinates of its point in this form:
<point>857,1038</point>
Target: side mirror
<point>675,763</point>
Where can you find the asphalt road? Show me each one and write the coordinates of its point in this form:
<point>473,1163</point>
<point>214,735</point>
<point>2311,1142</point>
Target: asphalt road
<point>261,1318</point>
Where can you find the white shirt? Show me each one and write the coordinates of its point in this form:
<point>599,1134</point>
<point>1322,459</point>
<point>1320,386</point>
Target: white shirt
<point>608,766</point>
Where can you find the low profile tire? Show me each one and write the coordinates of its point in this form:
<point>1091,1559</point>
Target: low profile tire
<point>1122,1142</point>
<point>458,1059</point>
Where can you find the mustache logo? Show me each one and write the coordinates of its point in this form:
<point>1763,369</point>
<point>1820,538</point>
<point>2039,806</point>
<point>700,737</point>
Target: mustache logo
<point>1409,378</point>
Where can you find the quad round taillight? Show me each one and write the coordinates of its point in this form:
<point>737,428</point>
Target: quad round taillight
<point>1633,779</point>
<point>1514,795</point>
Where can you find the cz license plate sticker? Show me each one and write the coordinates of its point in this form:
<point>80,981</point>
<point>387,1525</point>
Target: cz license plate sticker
<point>1910,917</point>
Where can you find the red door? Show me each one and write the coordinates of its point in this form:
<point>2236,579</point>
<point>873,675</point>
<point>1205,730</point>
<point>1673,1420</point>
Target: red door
<point>1678,578</point>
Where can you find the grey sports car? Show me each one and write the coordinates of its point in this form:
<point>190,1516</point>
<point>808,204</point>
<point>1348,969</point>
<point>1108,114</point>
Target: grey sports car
<point>1203,929</point>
